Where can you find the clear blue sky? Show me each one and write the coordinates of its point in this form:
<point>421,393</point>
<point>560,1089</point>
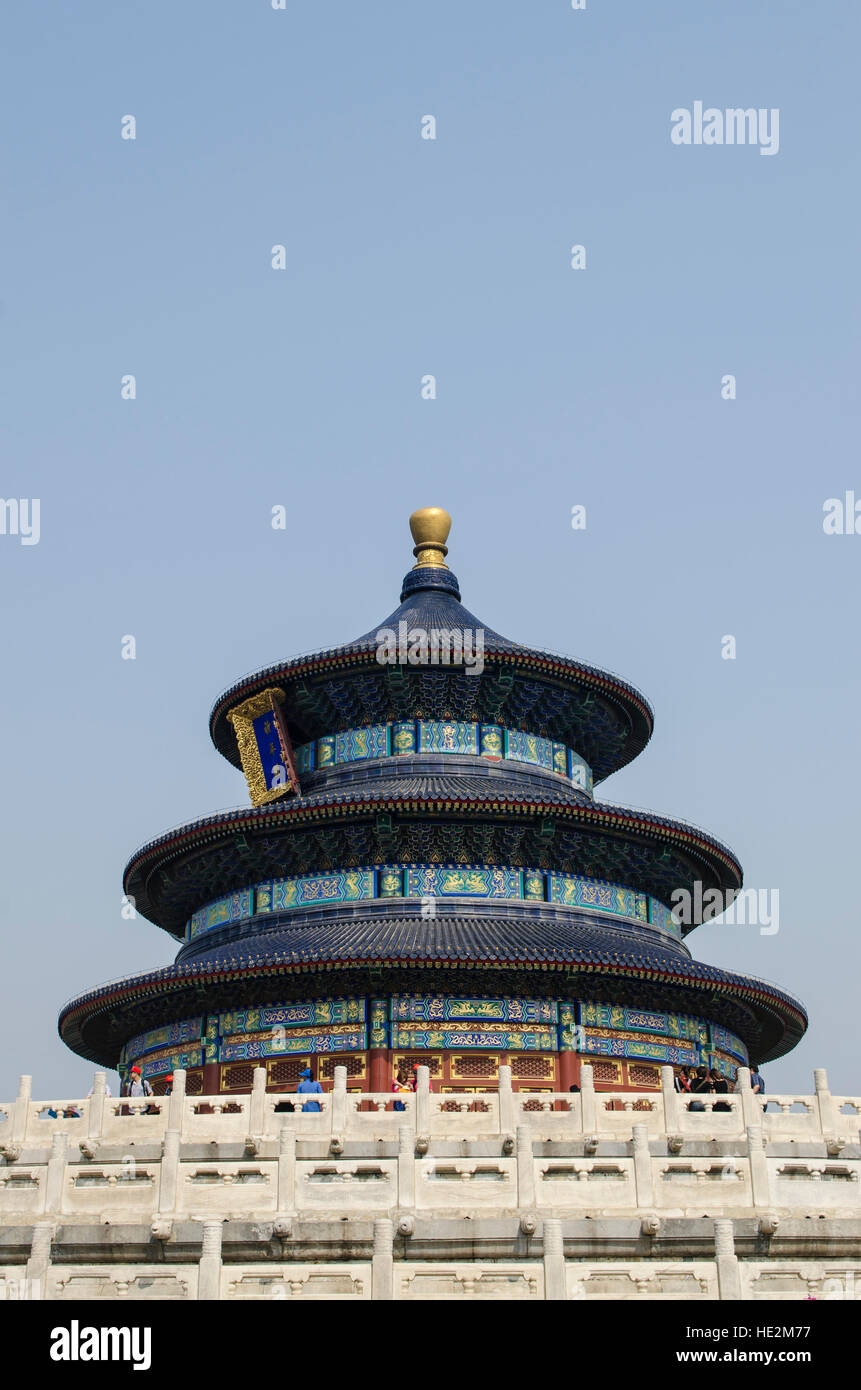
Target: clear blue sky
<point>555,387</point>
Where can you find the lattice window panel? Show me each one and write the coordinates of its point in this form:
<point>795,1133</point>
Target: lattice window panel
<point>237,1078</point>
<point>355,1066</point>
<point>643,1076</point>
<point>474,1064</point>
<point>606,1071</point>
<point>194,1083</point>
<point>286,1070</point>
<point>541,1068</point>
<point>419,1059</point>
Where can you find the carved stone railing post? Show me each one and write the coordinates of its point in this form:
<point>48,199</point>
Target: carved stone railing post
<point>642,1166</point>
<point>169,1175</point>
<point>56,1175</point>
<point>671,1100</point>
<point>423,1100</point>
<point>525,1169</point>
<point>257,1106</point>
<point>726,1260</point>
<point>97,1105</point>
<point>176,1101</point>
<point>382,1262</point>
<point>506,1101</point>
<point>406,1167</point>
<point>209,1273</point>
<point>339,1101</point>
<point>751,1110</point>
<point>39,1262</point>
<point>286,1172</point>
<point>22,1109</point>
<point>759,1189</point>
<point>554,1261</point>
<point>829,1119</point>
<point>588,1103</point>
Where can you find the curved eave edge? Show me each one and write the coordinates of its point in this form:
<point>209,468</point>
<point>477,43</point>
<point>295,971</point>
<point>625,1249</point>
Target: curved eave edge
<point>336,660</point>
<point>209,830</point>
<point>774,1003</point>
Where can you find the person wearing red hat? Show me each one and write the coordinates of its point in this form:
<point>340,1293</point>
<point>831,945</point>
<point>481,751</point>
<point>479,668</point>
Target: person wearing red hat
<point>136,1084</point>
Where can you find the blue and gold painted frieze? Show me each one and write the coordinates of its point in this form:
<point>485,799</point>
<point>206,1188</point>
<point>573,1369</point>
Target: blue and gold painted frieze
<point>279,894</point>
<point>296,1014</point>
<point>680,1026</point>
<point>662,917</point>
<point>601,1043</point>
<point>573,891</point>
<point>722,1040</point>
<point>165,1060</point>
<point>428,881</point>
<point>451,736</point>
<point>436,881</point>
<point>282,1042</point>
<point>497,1037</point>
<point>433,1008</point>
<point>171,1035</point>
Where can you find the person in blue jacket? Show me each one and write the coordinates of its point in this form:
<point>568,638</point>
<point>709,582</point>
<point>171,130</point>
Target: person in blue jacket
<point>306,1084</point>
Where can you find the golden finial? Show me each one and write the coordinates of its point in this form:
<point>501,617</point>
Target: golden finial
<point>430,527</point>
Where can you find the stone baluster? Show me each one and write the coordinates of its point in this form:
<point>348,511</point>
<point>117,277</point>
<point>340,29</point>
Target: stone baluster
<point>287,1172</point>
<point>751,1110</point>
<point>554,1261</point>
<point>56,1174</point>
<point>406,1168</point>
<point>169,1176</point>
<point>382,1262</point>
<point>97,1105</point>
<point>671,1100</point>
<point>339,1101</point>
<point>642,1166</point>
<point>829,1119</point>
<point>423,1100</point>
<point>176,1101</point>
<point>758,1166</point>
<point>729,1281</point>
<point>506,1101</point>
<point>39,1262</point>
<point>257,1105</point>
<point>21,1112</point>
<point>588,1103</point>
<point>209,1273</point>
<point>525,1169</point>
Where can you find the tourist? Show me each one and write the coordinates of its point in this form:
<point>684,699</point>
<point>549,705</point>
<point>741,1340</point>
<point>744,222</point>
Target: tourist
<point>757,1083</point>
<point>700,1084</point>
<point>92,1088</point>
<point>574,1088</point>
<point>682,1081</point>
<point>720,1086</point>
<point>136,1084</point>
<point>306,1085</point>
<point>401,1083</point>
<point>168,1087</point>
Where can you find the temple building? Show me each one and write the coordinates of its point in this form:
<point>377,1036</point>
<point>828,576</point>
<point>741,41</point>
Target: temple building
<point>426,875</point>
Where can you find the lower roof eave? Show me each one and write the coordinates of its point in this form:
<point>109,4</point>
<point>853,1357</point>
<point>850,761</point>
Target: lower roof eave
<point>767,1002</point>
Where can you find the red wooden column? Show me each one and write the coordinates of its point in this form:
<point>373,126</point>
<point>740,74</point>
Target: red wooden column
<point>211,1078</point>
<point>569,1069</point>
<point>379,1057</point>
